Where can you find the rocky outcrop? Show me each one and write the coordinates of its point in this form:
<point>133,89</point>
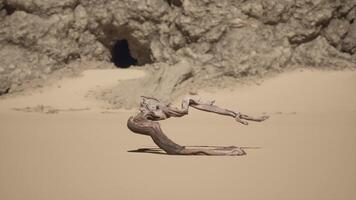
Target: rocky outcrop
<point>349,42</point>
<point>226,38</point>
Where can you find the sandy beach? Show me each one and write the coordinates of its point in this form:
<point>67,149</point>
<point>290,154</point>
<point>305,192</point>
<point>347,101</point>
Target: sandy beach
<point>80,149</point>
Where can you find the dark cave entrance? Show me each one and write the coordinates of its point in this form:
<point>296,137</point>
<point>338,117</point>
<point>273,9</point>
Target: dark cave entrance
<point>121,56</point>
<point>9,9</point>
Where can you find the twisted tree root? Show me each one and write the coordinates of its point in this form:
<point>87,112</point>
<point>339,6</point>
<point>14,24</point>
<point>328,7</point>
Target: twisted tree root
<point>152,110</point>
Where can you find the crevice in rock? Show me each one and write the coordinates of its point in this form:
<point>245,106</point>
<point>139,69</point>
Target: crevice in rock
<point>301,39</point>
<point>71,57</point>
<point>9,9</point>
<point>177,3</point>
<point>5,91</point>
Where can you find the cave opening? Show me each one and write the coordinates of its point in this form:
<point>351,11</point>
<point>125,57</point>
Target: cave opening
<point>121,55</point>
<point>177,3</point>
<point>9,9</point>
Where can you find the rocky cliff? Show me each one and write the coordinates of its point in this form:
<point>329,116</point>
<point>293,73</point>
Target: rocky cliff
<point>178,41</point>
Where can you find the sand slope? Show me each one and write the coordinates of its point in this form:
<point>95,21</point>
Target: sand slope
<point>307,147</point>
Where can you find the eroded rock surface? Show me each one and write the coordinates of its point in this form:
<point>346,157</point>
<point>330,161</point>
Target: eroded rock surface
<point>226,38</point>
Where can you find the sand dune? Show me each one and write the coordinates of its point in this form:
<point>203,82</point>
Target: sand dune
<point>306,149</point>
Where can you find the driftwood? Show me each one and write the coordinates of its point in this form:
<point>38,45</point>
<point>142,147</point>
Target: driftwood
<point>152,110</point>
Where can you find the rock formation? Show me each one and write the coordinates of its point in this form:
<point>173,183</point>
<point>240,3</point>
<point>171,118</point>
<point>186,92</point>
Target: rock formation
<point>225,38</point>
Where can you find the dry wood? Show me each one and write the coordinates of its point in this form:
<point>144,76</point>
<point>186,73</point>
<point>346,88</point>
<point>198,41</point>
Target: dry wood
<point>152,110</point>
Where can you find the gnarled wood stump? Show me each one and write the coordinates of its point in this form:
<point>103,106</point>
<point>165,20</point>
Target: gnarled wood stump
<point>152,110</point>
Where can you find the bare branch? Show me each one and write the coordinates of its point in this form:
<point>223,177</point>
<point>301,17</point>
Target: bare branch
<point>152,110</point>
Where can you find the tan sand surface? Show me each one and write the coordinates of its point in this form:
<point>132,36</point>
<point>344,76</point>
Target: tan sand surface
<point>307,147</point>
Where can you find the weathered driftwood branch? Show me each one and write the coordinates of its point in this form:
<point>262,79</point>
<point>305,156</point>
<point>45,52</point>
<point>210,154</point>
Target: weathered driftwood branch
<point>152,110</point>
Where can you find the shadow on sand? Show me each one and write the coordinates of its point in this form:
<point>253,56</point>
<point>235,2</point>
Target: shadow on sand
<point>156,150</point>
